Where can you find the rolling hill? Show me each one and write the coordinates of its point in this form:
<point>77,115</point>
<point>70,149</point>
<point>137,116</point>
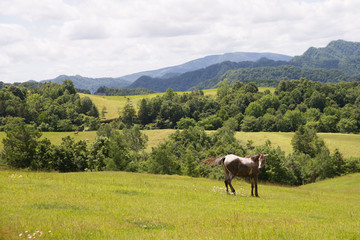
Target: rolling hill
<point>91,84</point>
<point>340,54</point>
<point>205,62</point>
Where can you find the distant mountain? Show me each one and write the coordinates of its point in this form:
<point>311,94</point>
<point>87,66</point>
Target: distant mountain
<point>191,79</point>
<point>271,76</point>
<point>91,84</point>
<point>205,62</point>
<point>338,54</point>
<point>338,61</point>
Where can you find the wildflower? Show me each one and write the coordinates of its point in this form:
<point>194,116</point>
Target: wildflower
<point>20,234</point>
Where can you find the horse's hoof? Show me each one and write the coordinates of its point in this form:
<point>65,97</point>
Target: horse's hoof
<point>234,193</point>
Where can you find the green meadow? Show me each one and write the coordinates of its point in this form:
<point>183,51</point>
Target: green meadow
<point>120,205</point>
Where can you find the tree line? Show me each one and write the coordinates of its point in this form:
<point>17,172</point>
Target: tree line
<point>111,91</point>
<point>48,106</point>
<point>181,153</point>
<point>324,107</point>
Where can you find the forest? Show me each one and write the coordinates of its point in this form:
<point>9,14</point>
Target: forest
<point>48,106</point>
<point>300,106</point>
<point>324,107</point>
<point>110,91</point>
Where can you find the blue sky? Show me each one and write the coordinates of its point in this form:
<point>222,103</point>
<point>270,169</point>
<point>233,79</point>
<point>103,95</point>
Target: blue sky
<point>41,39</point>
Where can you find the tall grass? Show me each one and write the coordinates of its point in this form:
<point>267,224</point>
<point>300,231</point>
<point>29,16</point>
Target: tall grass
<point>119,205</point>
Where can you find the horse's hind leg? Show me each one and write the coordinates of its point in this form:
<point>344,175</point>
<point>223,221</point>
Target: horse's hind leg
<point>232,188</point>
<point>226,185</point>
<point>227,179</point>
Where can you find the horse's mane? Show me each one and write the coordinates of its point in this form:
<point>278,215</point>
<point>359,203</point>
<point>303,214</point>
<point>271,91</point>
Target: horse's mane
<point>254,158</point>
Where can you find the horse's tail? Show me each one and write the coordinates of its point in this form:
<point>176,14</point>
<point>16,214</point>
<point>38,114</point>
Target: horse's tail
<point>214,161</point>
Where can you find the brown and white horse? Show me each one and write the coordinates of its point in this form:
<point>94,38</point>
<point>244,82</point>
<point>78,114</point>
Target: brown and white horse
<point>240,166</point>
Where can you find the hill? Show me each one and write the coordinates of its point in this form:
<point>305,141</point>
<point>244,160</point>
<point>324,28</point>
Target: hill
<point>271,76</point>
<point>205,62</point>
<point>91,84</point>
<point>120,205</point>
<point>265,73</point>
<point>340,54</point>
<point>192,79</point>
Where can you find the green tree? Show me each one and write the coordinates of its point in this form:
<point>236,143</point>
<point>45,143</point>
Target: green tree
<point>68,85</point>
<point>135,139</point>
<point>250,124</point>
<point>251,88</point>
<point>254,109</point>
<point>293,119</point>
<point>163,161</point>
<point>185,123</point>
<point>306,141</point>
<point>144,112</point>
<point>128,114</point>
<point>223,88</point>
<point>119,152</point>
<point>20,144</point>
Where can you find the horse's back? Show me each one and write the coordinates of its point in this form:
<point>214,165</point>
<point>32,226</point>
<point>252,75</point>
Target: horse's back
<point>238,166</point>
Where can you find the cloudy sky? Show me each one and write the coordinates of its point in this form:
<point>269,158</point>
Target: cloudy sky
<point>41,39</point>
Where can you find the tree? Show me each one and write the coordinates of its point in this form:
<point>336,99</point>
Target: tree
<point>134,138</point>
<point>144,112</point>
<point>128,114</point>
<point>251,88</point>
<point>185,123</point>
<point>163,161</point>
<point>68,84</point>
<point>19,150</point>
<point>119,153</point>
<point>306,141</point>
<point>250,124</point>
<point>346,125</point>
<point>317,100</point>
<point>293,119</point>
<point>223,88</point>
<point>254,109</point>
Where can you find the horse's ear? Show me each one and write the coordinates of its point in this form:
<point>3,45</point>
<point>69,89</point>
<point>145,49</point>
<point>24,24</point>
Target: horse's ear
<point>266,155</point>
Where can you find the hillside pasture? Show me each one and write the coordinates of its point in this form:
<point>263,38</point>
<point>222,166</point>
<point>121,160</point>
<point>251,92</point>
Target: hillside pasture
<point>120,205</point>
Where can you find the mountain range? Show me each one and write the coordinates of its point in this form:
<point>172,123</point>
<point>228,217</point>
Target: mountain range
<point>338,61</point>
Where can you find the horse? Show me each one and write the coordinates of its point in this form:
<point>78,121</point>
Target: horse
<point>240,166</point>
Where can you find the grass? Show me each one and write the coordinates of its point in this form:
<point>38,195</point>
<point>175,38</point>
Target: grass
<point>119,205</point>
<point>348,144</point>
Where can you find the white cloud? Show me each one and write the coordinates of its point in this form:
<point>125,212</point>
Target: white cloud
<point>44,38</point>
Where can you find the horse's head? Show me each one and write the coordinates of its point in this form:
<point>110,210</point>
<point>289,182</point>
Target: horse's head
<point>262,160</point>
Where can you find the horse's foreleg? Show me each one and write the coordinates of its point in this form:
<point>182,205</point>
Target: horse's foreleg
<point>252,186</point>
<point>256,188</point>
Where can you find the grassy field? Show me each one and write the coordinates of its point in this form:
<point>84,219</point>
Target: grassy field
<point>348,144</point>
<point>119,205</point>
<point>115,104</point>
